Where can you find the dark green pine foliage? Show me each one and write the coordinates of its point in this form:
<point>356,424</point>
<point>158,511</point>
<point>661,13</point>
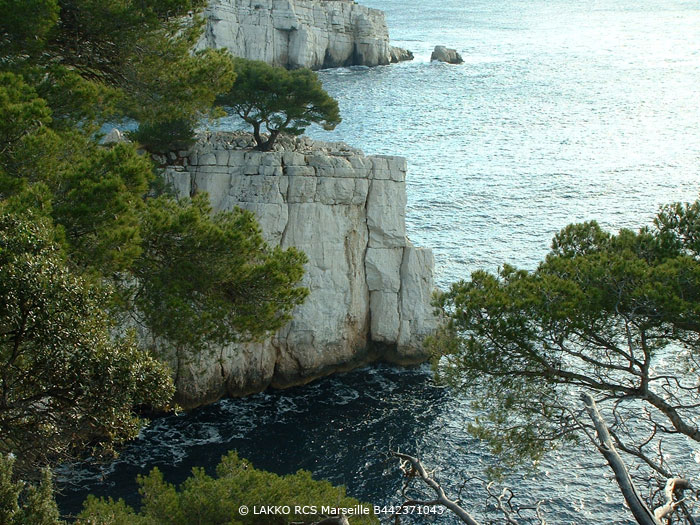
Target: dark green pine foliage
<point>94,60</point>
<point>614,315</point>
<point>204,278</point>
<point>216,501</point>
<point>83,242</point>
<point>66,380</point>
<point>281,100</point>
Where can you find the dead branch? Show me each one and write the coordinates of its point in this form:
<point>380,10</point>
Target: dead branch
<point>503,502</point>
<point>335,520</point>
<point>674,497</point>
<point>513,513</point>
<point>413,467</point>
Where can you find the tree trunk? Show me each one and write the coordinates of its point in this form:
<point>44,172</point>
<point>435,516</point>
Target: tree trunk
<point>266,145</point>
<point>641,512</point>
<point>256,135</point>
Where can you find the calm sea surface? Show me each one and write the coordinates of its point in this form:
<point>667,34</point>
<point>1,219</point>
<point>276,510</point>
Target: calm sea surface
<point>563,111</point>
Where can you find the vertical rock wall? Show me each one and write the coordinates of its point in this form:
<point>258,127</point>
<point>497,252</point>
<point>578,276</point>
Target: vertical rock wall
<point>301,33</point>
<point>368,283</point>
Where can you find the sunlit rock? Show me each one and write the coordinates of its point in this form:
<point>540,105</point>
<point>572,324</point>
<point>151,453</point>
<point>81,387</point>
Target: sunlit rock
<point>370,288</point>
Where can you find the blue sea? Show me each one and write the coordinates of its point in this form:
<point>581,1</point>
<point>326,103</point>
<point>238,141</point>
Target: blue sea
<point>562,112</point>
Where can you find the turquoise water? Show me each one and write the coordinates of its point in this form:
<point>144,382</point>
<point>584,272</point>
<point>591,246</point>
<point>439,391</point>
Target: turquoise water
<point>563,111</point>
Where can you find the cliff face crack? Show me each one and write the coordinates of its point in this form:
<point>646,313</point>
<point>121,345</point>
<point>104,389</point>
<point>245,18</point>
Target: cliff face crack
<point>221,365</point>
<point>399,298</point>
<point>285,202</point>
<point>193,184</point>
<point>364,256</point>
<point>210,33</point>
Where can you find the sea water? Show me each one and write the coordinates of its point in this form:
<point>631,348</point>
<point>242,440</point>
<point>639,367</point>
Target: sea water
<point>563,111</point>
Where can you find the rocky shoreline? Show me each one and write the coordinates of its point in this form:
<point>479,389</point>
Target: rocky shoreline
<point>370,288</point>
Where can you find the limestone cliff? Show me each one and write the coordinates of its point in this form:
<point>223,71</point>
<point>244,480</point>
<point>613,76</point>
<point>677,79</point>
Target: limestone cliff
<point>301,33</point>
<point>370,288</point>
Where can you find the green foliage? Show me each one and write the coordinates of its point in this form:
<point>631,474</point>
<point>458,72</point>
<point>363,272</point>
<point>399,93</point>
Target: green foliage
<point>23,504</point>
<point>614,315</point>
<point>679,228</point>
<point>210,278</point>
<point>98,203</point>
<point>84,245</point>
<point>21,111</point>
<point>26,24</point>
<point>204,500</point>
<point>284,101</point>
<point>185,89</point>
<point>93,60</point>
<point>65,381</point>
<point>164,136</point>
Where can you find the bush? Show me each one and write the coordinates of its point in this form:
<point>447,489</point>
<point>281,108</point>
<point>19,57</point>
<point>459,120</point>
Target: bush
<point>24,504</point>
<point>161,137</point>
<point>204,500</point>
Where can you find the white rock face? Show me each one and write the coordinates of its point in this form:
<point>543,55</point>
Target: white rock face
<point>370,288</point>
<point>301,33</point>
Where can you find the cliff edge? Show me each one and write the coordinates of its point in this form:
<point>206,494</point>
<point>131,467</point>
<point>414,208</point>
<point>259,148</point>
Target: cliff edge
<point>370,288</point>
<point>301,33</point>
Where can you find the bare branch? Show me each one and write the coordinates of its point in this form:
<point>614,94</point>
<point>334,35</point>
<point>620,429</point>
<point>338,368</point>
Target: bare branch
<point>503,503</point>
<point>335,520</point>
<point>674,497</point>
<point>417,470</point>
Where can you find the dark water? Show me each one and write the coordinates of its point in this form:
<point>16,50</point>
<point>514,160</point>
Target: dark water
<point>340,429</point>
<point>563,111</point>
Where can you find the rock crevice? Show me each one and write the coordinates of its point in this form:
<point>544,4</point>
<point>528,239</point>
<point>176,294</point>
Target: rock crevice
<point>369,287</point>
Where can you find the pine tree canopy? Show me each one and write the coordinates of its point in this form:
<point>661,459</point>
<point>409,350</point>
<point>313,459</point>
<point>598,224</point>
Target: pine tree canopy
<point>88,250</point>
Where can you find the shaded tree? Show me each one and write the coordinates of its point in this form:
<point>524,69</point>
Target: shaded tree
<point>71,382</point>
<point>65,380</point>
<point>206,278</point>
<point>281,100</point>
<point>94,61</point>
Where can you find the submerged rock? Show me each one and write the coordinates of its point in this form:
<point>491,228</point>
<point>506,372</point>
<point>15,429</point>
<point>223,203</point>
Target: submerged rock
<point>444,54</point>
<point>370,288</point>
<point>301,33</point>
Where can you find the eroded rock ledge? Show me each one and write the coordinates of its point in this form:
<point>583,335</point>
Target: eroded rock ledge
<point>301,33</point>
<point>370,288</point>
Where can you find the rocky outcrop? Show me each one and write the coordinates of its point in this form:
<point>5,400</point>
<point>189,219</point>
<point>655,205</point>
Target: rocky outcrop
<point>301,33</point>
<point>398,54</point>
<point>370,288</point>
<point>444,54</point>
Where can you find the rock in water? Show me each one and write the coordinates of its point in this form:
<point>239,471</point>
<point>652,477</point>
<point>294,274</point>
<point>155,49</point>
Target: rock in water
<point>400,55</point>
<point>444,54</point>
<point>370,288</point>
<point>301,33</point>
